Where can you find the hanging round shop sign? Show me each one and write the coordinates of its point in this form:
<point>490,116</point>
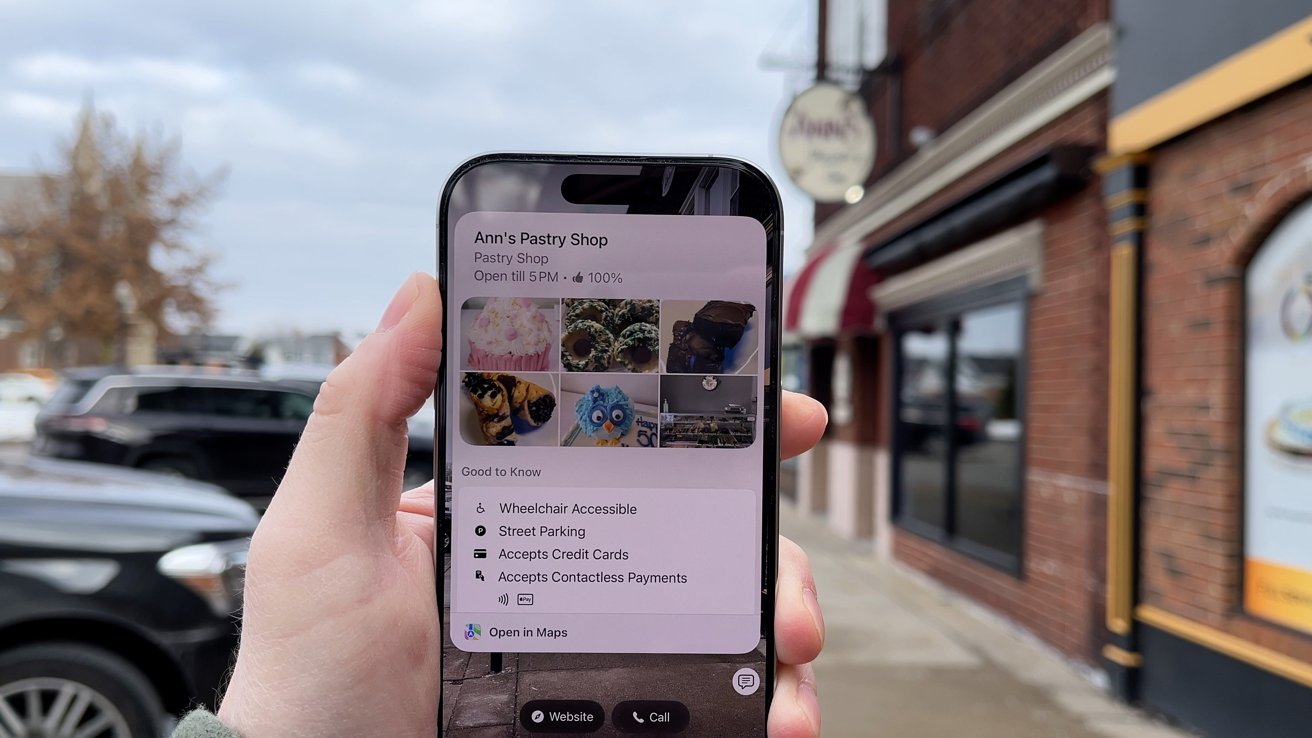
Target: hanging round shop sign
<point>827,143</point>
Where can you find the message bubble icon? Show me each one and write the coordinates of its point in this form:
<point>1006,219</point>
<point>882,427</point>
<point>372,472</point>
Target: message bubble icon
<point>746,681</point>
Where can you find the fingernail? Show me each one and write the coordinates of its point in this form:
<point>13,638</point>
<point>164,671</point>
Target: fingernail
<point>813,606</point>
<point>809,702</point>
<point>399,306</point>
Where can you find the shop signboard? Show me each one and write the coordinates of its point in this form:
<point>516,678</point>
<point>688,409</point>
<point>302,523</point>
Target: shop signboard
<point>1278,427</point>
<point>827,143</point>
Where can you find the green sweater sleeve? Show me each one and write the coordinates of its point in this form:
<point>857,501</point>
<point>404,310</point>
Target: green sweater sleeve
<point>202,724</point>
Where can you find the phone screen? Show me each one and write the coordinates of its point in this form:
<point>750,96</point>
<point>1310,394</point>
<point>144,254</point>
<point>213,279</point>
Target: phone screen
<point>610,450</point>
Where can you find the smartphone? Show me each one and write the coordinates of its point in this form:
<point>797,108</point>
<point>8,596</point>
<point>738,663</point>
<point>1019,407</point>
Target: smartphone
<point>609,440</point>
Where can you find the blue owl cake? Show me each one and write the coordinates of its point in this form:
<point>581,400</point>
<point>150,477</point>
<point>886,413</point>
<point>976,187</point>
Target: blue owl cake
<point>605,414</point>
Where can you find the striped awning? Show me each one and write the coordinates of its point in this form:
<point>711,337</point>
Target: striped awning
<point>830,295</point>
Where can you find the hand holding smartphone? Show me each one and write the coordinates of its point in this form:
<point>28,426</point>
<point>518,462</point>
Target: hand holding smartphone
<point>612,450</point>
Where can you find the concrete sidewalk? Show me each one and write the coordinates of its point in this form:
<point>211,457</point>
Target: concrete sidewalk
<point>907,659</point>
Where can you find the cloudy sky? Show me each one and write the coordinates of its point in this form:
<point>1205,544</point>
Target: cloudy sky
<point>340,120</point>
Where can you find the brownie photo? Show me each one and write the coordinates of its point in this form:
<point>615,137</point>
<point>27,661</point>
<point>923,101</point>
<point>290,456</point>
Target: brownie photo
<point>699,345</point>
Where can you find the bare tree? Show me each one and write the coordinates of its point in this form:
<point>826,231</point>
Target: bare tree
<point>107,235</point>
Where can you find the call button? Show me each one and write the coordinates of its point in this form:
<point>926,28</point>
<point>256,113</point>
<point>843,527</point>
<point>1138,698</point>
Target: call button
<point>650,716</point>
<point>561,716</point>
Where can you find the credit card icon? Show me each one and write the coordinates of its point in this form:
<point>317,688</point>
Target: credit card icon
<point>480,553</point>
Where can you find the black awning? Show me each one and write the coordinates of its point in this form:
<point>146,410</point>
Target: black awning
<point>1013,196</point>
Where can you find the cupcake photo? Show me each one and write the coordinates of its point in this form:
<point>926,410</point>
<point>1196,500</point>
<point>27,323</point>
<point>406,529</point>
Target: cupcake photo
<point>510,333</point>
<point>610,336</point>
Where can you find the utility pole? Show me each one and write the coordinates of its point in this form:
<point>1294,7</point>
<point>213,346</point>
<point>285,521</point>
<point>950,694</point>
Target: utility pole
<point>822,40</point>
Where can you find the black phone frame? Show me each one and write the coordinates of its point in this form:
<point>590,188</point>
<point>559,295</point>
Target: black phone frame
<point>772,394</point>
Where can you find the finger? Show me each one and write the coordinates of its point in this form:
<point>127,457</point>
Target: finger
<point>419,501</point>
<point>802,422</point>
<point>799,626</point>
<point>422,527</point>
<point>795,710</point>
<point>348,466</point>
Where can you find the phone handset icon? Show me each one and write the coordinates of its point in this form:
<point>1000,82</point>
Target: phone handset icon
<point>638,719</point>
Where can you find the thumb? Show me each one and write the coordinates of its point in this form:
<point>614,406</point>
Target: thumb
<point>348,467</point>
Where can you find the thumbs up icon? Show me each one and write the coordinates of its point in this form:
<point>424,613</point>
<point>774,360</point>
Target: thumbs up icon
<point>578,277</point>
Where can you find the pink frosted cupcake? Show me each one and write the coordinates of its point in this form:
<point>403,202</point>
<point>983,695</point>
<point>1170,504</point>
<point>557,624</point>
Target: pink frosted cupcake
<point>510,334</point>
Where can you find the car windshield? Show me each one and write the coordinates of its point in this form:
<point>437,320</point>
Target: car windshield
<point>70,392</point>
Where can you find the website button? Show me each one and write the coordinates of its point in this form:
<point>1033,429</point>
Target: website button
<point>562,716</point>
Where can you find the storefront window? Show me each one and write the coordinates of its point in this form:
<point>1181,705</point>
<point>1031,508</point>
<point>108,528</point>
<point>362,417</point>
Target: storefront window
<point>958,473</point>
<point>921,415</point>
<point>1278,432</point>
<point>989,427</point>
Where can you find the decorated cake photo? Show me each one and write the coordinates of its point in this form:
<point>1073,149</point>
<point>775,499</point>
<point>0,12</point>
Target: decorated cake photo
<point>510,333</point>
<point>709,337</point>
<point>610,335</point>
<point>1291,430</point>
<point>501,409</point>
<point>616,411</point>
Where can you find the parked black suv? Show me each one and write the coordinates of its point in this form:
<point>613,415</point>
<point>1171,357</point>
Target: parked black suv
<point>232,428</point>
<point>118,594</point>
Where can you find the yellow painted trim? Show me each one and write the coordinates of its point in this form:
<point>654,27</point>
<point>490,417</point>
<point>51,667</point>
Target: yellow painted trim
<point>1118,655</point>
<point>1261,69</point>
<point>1128,225</point>
<point>1107,164</point>
<point>1235,647</point>
<point>1126,197</point>
<point>1121,416</point>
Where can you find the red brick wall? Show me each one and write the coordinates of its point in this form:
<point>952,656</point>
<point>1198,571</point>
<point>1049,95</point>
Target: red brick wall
<point>956,54</point>
<point>1059,595</point>
<point>1214,195</point>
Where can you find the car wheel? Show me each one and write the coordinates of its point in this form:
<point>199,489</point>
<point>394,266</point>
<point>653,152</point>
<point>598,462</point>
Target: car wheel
<point>174,466</point>
<point>52,689</point>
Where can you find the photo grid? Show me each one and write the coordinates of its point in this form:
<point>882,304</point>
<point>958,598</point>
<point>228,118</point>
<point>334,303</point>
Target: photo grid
<point>608,373</point>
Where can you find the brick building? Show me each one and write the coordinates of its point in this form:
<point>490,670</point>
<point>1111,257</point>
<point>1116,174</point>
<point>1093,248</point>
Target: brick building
<point>972,275</point>
<point>1065,335</point>
<point>1209,193</point>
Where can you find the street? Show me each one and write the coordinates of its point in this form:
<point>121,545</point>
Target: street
<point>13,452</point>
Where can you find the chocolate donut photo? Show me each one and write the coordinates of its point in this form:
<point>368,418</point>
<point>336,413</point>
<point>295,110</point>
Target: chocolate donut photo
<point>610,335</point>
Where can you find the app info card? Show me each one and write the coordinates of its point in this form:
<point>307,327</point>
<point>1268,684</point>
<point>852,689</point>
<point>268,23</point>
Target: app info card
<point>605,379</point>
